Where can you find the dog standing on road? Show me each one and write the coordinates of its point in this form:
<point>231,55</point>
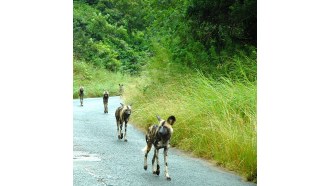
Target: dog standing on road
<point>159,136</point>
<point>122,115</point>
<point>105,101</point>
<point>81,95</point>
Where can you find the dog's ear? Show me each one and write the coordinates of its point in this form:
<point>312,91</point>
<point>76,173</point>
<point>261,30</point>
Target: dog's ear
<point>122,104</point>
<point>171,120</point>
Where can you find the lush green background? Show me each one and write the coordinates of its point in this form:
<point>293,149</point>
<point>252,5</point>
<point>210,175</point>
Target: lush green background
<point>195,59</point>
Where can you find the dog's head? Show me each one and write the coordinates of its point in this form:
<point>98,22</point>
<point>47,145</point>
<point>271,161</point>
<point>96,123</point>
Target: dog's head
<point>127,109</point>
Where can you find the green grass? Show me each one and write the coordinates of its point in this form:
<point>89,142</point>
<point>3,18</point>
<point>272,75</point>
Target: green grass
<point>216,120</point>
<point>96,80</point>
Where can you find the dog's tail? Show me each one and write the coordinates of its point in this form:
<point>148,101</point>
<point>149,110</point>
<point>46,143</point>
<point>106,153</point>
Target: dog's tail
<point>158,117</point>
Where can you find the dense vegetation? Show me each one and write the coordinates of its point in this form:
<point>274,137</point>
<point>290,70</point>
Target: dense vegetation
<point>195,59</point>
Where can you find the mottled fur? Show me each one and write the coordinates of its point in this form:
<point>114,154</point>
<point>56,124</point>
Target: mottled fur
<point>105,101</point>
<point>122,115</point>
<point>81,95</point>
<point>121,89</point>
<point>159,136</point>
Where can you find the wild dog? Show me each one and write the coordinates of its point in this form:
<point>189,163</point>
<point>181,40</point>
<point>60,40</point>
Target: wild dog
<point>81,95</point>
<point>121,89</point>
<point>105,101</point>
<point>122,115</point>
<point>159,136</point>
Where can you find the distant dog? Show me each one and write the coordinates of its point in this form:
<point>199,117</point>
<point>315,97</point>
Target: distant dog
<point>159,136</point>
<point>81,95</point>
<point>105,101</point>
<point>122,115</point>
<point>121,89</point>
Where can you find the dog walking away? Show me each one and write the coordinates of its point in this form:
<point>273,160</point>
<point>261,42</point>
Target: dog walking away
<point>105,101</point>
<point>122,115</point>
<point>159,136</point>
<point>81,95</point>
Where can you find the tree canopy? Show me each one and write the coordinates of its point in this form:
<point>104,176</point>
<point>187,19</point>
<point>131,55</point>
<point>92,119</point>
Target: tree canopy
<point>202,34</point>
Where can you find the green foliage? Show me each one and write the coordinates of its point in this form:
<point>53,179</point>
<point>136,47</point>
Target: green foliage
<point>195,59</point>
<point>221,22</point>
<point>105,39</point>
<point>200,34</point>
<point>215,119</point>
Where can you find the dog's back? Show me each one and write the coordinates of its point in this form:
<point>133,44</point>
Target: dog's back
<point>81,91</point>
<point>117,113</point>
<point>151,134</point>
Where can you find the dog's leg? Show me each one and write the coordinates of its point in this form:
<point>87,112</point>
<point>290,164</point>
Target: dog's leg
<point>165,161</point>
<point>146,151</point>
<point>125,139</point>
<point>157,160</point>
<point>154,166</point>
<point>118,128</point>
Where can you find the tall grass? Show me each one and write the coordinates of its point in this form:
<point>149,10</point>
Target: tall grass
<point>215,119</point>
<point>95,80</point>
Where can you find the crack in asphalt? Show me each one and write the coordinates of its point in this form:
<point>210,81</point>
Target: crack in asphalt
<point>99,179</point>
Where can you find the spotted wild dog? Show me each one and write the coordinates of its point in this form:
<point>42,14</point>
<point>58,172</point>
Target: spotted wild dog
<point>121,89</point>
<point>81,95</point>
<point>105,101</point>
<point>122,115</point>
<point>159,136</point>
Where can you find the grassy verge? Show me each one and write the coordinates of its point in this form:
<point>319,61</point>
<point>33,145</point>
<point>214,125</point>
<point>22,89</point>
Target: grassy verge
<point>216,120</point>
<point>96,80</point>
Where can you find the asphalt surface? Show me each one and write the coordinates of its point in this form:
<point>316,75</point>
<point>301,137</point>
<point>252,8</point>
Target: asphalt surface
<point>99,158</point>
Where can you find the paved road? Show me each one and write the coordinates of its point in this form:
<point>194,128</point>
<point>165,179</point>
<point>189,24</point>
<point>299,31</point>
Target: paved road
<point>100,159</point>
